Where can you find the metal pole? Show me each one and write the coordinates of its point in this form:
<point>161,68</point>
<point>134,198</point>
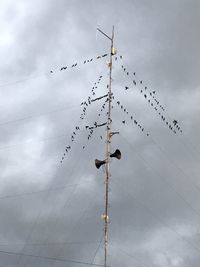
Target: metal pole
<point>108,146</point>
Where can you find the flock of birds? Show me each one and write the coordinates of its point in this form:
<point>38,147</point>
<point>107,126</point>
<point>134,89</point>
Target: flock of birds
<point>89,129</point>
<point>150,96</point>
<point>152,100</point>
<point>84,62</point>
<point>131,118</point>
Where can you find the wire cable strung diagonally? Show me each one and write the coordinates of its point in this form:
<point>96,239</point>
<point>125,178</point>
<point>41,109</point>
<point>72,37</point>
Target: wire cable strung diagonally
<point>150,211</point>
<point>82,116</point>
<point>150,97</point>
<point>53,71</point>
<point>36,220</point>
<point>131,118</point>
<point>162,179</point>
<point>49,258</point>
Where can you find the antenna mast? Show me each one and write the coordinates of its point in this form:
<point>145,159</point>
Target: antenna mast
<point>108,147</point>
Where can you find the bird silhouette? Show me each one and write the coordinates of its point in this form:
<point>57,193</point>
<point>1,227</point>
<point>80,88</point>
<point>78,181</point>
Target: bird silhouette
<point>123,122</point>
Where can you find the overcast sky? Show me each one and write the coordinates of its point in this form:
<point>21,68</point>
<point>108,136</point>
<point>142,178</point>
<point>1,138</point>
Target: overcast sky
<point>53,209</point>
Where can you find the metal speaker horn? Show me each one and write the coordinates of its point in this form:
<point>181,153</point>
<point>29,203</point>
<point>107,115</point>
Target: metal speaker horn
<point>98,163</point>
<point>116,154</point>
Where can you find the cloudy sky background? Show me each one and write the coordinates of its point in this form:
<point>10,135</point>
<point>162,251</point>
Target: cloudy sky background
<point>50,209</point>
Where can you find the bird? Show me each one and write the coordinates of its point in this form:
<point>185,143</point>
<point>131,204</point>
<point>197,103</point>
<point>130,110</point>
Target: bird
<point>131,117</point>
<point>134,73</point>
<point>123,122</point>
<point>154,92</point>
<point>83,147</point>
<point>121,57</point>
<point>145,95</point>
<point>126,87</point>
<point>175,122</point>
<point>84,62</point>
<point>141,81</point>
<point>51,71</point>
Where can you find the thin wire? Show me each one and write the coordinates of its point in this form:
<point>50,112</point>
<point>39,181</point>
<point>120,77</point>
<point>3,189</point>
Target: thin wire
<point>42,74</point>
<point>133,257</point>
<point>50,243</point>
<point>63,108</point>
<point>97,250</point>
<point>40,212</point>
<point>48,258</point>
<point>193,150</point>
<point>80,154</point>
<point>188,204</point>
<point>159,219</point>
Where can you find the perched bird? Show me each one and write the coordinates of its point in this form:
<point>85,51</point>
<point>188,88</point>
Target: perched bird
<point>126,87</point>
<point>123,122</point>
<point>83,147</point>
<point>131,117</point>
<point>121,57</point>
<point>51,71</point>
<point>145,95</point>
<point>175,122</point>
<point>141,82</point>
<point>84,62</point>
<point>154,92</point>
<point>134,73</point>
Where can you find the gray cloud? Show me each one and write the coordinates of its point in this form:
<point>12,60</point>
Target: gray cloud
<point>54,210</point>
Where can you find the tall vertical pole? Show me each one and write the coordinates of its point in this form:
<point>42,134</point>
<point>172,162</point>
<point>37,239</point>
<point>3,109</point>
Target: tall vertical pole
<point>108,146</point>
